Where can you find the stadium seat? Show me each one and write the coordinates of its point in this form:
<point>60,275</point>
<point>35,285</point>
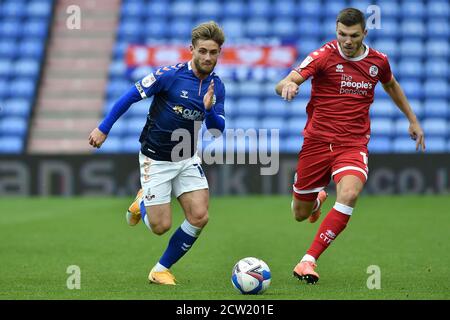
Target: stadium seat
<point>381,127</point>
<point>10,29</point>
<point>130,144</point>
<point>26,67</point>
<point>134,126</point>
<point>291,144</point>
<point>11,144</point>
<point>410,68</point>
<point>233,28</point>
<point>35,28</point>
<point>8,49</point>
<point>437,68</point>
<point>438,28</point>
<point>435,127</point>
<point>435,145</point>
<point>275,107</point>
<point>133,9</point>
<point>412,28</point>
<point>284,9</point>
<point>437,88</point>
<point>247,106</point>
<point>272,123</point>
<point>6,68</point>
<point>260,8</point>
<point>439,8</point>
<point>39,9</point>
<point>31,48</point>
<point>404,145</point>
<point>310,9</point>
<point>412,88</point>
<point>411,48</point>
<point>284,28</point>
<point>16,107</point>
<point>305,46</point>
<point>437,48</point>
<point>257,27</point>
<point>233,9</point>
<point>332,8</point>
<point>25,86</point>
<point>412,9</point>
<point>296,125</point>
<point>387,46</point>
<point>380,145</point>
<point>140,108</point>
<point>111,145</point>
<point>436,108</point>
<point>250,89</point>
<point>208,10</point>
<point>157,28</point>
<point>13,9</point>
<point>246,123</point>
<point>13,126</point>
<point>156,9</point>
<point>401,127</point>
<point>390,29</point>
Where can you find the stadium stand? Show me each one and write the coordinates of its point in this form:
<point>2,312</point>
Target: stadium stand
<point>414,34</point>
<point>24,29</point>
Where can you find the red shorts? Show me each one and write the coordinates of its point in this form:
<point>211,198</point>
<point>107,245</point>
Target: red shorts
<point>320,161</point>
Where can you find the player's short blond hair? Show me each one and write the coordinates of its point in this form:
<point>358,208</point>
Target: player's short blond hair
<point>208,31</point>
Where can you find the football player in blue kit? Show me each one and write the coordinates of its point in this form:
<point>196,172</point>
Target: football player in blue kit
<point>184,95</point>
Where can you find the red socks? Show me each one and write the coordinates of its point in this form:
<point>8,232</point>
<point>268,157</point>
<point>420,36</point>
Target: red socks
<point>329,229</point>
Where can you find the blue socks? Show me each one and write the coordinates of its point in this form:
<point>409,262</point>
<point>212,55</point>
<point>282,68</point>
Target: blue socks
<point>180,243</point>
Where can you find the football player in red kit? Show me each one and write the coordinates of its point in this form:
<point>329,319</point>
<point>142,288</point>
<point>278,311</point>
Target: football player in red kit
<point>345,72</point>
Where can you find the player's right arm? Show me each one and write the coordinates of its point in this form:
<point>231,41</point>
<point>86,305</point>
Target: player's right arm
<point>144,88</point>
<point>288,87</point>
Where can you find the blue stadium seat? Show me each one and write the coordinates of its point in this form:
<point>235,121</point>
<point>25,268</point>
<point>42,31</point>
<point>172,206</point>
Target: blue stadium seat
<point>208,10</point>
<point>157,28</point>
<point>134,126</point>
<point>11,144</point>
<point>297,107</point>
<point>404,145</point>
<point>389,9</point>
<point>272,123</point>
<point>415,104</point>
<point>156,9</point>
<point>437,68</point>
<point>25,87</point>
<point>436,108</point>
<point>6,68</point>
<point>412,88</point>
<point>381,127</point>
<point>328,28</point>
<point>437,88</point>
<point>257,27</point>
<point>387,46</point>
<point>438,28</point>
<point>435,145</point>
<point>119,128</point>
<point>39,9</point>
<point>401,127</point>
<point>438,9</point>
<point>130,144</point>
<point>233,28</point>
<point>10,28</point>
<point>412,9</point>
<point>130,29</point>
<point>180,29</point>
<point>435,127</point>
<point>260,8</point>
<point>296,125</point>
<point>389,29</point>
<point>307,28</point>
<point>410,68</point>
<point>8,49</point>
<point>117,69</point>
<point>412,28</point>
<point>380,145</point>
<point>13,126</point>
<point>111,145</point>
<point>31,48</point>
<point>411,48</point>
<point>284,27</point>
<point>274,107</point>
<point>183,9</point>
<point>250,88</point>
<point>291,144</point>
<point>35,28</point>
<point>117,88</point>
<point>332,8</point>
<point>26,67</point>
<point>305,89</point>
<point>248,106</point>
<point>233,9</point>
<point>438,48</point>
<point>246,123</point>
<point>285,9</point>
<point>310,8</point>
<point>231,109</point>
<point>140,109</point>
<point>133,9</point>
<point>18,107</point>
<point>13,9</point>
<point>306,46</point>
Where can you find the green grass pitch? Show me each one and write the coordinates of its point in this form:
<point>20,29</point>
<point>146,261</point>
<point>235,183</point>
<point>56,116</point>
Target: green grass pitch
<point>407,237</point>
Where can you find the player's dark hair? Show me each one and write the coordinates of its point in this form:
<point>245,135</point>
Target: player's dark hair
<point>208,31</point>
<point>351,16</point>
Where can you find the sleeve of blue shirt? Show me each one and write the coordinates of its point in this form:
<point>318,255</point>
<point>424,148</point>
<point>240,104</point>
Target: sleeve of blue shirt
<point>142,89</point>
<point>215,117</point>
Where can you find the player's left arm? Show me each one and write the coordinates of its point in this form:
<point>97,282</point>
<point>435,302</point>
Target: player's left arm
<point>214,110</point>
<point>395,91</point>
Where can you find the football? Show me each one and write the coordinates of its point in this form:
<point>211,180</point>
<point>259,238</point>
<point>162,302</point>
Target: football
<point>251,276</point>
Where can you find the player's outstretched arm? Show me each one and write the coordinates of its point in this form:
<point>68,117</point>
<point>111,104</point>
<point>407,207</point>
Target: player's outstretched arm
<point>288,87</point>
<point>394,90</point>
<point>99,134</point>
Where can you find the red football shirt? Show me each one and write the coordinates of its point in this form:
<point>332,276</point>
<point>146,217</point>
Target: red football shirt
<point>342,92</point>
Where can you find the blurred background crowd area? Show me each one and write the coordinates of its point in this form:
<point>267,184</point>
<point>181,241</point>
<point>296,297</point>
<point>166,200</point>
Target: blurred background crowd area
<point>63,64</point>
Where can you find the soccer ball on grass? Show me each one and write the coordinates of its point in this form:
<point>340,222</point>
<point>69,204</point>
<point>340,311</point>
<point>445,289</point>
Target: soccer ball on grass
<point>251,276</point>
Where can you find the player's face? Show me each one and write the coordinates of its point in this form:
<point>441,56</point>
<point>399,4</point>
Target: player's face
<point>204,55</point>
<point>350,39</point>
